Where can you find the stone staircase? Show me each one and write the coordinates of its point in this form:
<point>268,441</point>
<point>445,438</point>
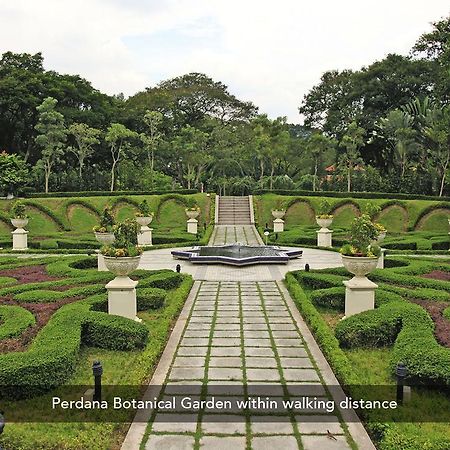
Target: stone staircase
<point>234,211</point>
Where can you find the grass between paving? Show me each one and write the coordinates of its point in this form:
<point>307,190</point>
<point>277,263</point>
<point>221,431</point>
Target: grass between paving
<point>372,366</point>
<point>132,368</point>
<point>198,434</point>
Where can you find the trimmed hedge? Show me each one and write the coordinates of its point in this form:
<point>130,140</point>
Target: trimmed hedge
<point>150,298</point>
<point>43,295</point>
<point>166,280</point>
<point>52,357</point>
<point>106,193</point>
<point>14,320</point>
<point>368,195</point>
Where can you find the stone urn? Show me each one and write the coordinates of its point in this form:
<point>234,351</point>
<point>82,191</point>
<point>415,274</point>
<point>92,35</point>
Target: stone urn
<point>192,213</point>
<point>324,223</point>
<point>143,221</point>
<point>278,213</point>
<point>359,266</point>
<point>122,266</point>
<point>104,238</point>
<point>19,223</point>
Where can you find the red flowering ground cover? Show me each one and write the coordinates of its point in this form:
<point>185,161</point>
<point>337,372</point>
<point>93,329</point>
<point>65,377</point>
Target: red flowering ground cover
<point>29,274</point>
<point>442,324</point>
<point>438,275</point>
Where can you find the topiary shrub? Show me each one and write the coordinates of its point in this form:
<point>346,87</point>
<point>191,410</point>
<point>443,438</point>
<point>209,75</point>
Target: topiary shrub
<point>150,298</point>
<point>14,320</point>
<point>48,244</point>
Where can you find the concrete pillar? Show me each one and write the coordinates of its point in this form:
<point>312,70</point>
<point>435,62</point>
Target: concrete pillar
<point>20,239</point>
<point>324,237</point>
<point>278,225</point>
<point>145,236</point>
<point>380,264</point>
<point>122,297</point>
<point>359,295</point>
<point>101,267</point>
<point>192,226</point>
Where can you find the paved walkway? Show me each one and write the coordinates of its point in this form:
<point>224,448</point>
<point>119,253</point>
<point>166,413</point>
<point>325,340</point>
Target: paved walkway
<point>240,336</point>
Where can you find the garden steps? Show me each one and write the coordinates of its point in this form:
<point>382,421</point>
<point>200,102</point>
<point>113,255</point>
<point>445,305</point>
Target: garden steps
<point>234,210</point>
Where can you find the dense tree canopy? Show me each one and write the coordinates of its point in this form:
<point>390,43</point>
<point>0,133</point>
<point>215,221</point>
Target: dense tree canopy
<point>383,127</point>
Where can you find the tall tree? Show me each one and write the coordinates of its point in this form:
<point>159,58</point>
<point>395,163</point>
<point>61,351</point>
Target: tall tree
<point>437,130</point>
<point>352,141</point>
<point>397,129</point>
<point>118,137</point>
<point>319,146</point>
<point>52,136</point>
<point>85,139</point>
<point>151,137</point>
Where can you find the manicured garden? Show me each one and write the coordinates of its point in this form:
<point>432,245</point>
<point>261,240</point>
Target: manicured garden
<point>66,224</point>
<point>410,324</point>
<point>54,325</point>
<point>412,225</point>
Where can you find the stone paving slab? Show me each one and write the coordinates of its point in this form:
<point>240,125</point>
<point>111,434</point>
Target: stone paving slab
<point>245,338</point>
<point>247,342</point>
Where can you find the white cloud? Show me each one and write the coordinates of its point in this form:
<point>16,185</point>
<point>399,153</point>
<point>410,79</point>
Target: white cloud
<point>269,52</point>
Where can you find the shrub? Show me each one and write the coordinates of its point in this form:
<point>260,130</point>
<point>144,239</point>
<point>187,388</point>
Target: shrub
<point>18,210</point>
<point>113,332</point>
<point>48,244</point>
<point>164,280</point>
<point>14,320</point>
<point>150,298</point>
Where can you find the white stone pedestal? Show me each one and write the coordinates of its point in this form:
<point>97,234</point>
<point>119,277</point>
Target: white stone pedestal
<point>122,297</point>
<point>192,226</point>
<point>145,236</point>
<point>101,262</point>
<point>20,239</point>
<point>324,236</point>
<point>380,264</point>
<point>278,225</point>
<point>359,295</point>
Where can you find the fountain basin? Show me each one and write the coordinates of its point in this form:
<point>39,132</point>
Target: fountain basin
<point>238,255</point>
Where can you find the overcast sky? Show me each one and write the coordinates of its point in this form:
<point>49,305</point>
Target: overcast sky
<point>269,52</point>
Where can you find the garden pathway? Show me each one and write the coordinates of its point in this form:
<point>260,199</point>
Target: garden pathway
<point>238,337</point>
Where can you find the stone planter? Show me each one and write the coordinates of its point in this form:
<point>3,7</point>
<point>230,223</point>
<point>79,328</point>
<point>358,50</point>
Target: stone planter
<point>324,223</point>
<point>19,235</point>
<point>122,290</point>
<point>359,266</point>
<point>144,220</point>
<point>19,223</point>
<point>192,213</point>
<point>104,238</point>
<point>122,266</point>
<point>278,213</point>
<point>359,291</point>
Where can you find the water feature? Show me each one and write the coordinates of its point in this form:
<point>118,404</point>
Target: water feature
<point>238,254</point>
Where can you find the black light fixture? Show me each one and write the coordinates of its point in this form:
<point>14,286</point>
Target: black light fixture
<point>401,371</point>
<point>97,371</point>
<point>306,267</point>
<point>178,268</point>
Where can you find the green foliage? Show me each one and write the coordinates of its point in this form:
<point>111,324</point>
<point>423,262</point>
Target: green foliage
<point>125,243</point>
<point>144,209</point>
<point>106,221</point>
<point>14,320</point>
<point>18,210</point>
<point>13,172</point>
<point>150,298</point>
<point>51,137</point>
<point>362,233</point>
<point>48,244</point>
